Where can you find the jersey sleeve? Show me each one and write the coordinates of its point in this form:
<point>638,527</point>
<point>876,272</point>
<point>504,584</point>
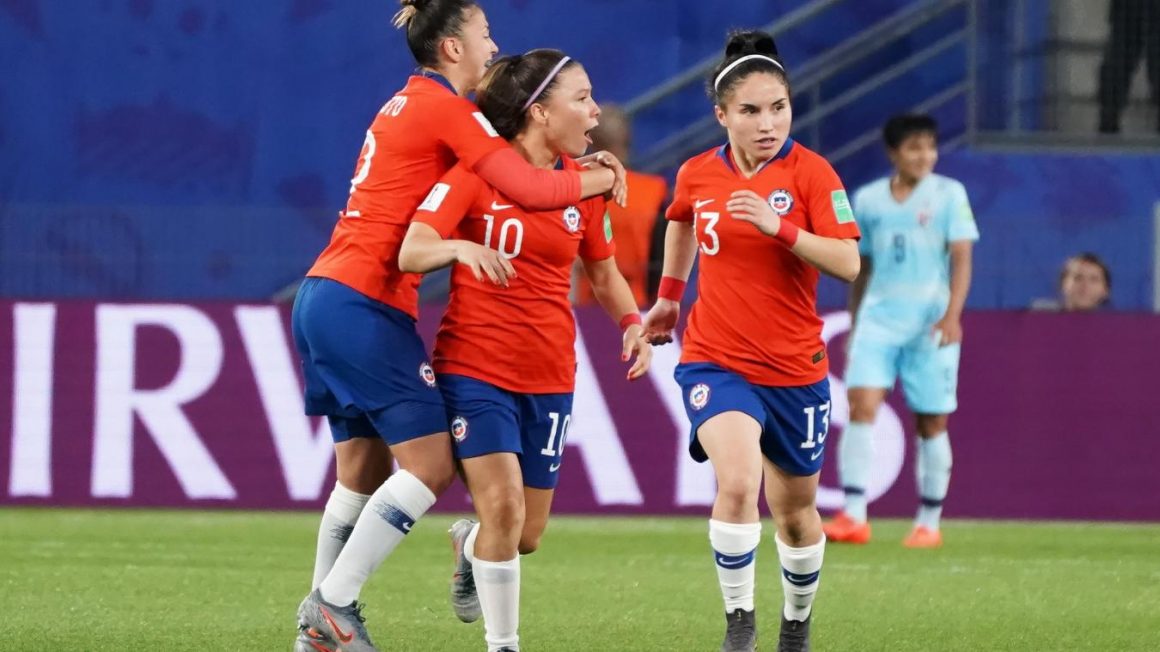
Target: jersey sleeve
<point>865,220</point>
<point>961,220</point>
<point>450,200</point>
<point>597,243</point>
<point>681,210</point>
<point>827,206</point>
<point>462,127</point>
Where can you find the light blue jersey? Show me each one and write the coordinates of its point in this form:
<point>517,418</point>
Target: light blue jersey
<point>907,243</point>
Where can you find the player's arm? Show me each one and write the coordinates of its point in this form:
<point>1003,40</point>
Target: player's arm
<point>680,253</point>
<point>950,327</point>
<point>615,296</point>
<point>858,288</point>
<point>428,245</point>
<point>837,257</point>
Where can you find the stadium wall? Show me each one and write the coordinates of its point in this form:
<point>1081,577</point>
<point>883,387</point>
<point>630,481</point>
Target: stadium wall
<point>199,405</point>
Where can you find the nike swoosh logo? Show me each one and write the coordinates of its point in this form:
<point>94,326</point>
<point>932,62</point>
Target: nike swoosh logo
<point>703,202</point>
<point>553,468</point>
<point>406,527</point>
<point>500,207</point>
<point>343,637</point>
<point>817,455</point>
<point>721,561</point>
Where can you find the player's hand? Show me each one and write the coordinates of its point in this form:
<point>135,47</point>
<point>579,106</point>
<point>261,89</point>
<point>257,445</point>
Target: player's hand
<point>949,330</point>
<point>660,322</point>
<point>635,344</point>
<point>619,191</point>
<point>748,206</point>
<point>485,262</point>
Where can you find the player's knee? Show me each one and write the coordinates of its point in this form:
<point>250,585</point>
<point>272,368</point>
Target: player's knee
<point>931,425</point>
<point>863,411</point>
<point>503,506</point>
<point>798,526</point>
<point>436,476</point>
<point>529,543</point>
<point>738,491</point>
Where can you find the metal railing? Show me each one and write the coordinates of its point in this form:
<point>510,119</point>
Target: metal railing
<point>811,77</point>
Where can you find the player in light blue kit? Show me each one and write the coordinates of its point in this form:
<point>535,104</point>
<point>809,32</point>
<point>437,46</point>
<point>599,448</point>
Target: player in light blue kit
<point>917,234</point>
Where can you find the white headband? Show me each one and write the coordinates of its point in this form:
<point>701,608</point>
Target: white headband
<point>748,57</point>
<point>547,80</point>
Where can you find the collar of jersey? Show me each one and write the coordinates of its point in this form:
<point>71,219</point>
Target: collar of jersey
<point>438,79</point>
<point>723,154</point>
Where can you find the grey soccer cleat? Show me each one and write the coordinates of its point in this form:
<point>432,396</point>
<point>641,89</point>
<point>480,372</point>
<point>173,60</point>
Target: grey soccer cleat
<point>331,628</point>
<point>795,635</point>
<point>740,631</point>
<point>464,599</point>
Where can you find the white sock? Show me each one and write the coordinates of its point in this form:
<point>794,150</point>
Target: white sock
<point>386,519</point>
<point>338,519</point>
<point>801,570</point>
<point>934,476</point>
<point>469,543</point>
<point>498,585</point>
<point>855,456</point>
<point>735,552</point>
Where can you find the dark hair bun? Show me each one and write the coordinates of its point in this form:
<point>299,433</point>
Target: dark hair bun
<point>745,42</point>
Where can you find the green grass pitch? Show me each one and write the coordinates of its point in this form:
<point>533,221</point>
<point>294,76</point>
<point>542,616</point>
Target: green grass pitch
<point>91,581</point>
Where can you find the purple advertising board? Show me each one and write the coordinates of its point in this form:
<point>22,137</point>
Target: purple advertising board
<point>199,405</point>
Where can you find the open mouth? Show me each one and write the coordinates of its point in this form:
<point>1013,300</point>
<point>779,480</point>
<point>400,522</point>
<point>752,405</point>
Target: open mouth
<point>767,142</point>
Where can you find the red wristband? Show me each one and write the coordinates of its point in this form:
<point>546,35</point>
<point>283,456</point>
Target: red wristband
<point>787,233</point>
<point>671,288</point>
<point>630,319</point>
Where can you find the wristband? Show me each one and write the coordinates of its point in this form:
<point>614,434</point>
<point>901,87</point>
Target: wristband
<point>787,233</point>
<point>630,319</point>
<point>671,288</point>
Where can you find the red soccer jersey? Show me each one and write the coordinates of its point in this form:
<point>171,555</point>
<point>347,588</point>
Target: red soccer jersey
<point>415,138</point>
<point>522,337</point>
<point>755,312</point>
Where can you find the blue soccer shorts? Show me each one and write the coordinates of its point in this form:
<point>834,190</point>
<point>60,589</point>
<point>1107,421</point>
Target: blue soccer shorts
<point>486,419</point>
<point>794,420</point>
<point>365,365</point>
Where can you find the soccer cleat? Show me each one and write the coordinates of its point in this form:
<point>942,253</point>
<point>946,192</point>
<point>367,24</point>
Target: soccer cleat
<point>464,599</point>
<point>331,628</point>
<point>740,631</point>
<point>843,529</point>
<point>923,537</point>
<point>795,635</point>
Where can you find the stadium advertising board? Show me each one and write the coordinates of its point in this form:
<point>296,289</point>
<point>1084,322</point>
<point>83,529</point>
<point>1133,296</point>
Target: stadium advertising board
<point>200,405</point>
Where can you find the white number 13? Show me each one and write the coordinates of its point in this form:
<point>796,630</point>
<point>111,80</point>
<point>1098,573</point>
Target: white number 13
<point>825,410</point>
<point>711,221</point>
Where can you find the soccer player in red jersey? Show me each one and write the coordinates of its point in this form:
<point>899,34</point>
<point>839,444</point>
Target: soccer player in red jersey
<point>364,364</point>
<point>767,215</point>
<point>505,350</point>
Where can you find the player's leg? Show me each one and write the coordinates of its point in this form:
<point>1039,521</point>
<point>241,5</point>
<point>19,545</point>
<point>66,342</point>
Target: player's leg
<point>726,418</point>
<point>793,445</point>
<point>870,373</point>
<point>485,427</point>
<point>544,422</point>
<point>363,463</point>
<point>930,381</point>
<point>498,495</point>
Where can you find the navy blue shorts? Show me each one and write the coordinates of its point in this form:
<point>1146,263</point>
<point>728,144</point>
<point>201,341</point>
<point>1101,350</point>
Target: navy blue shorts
<point>794,420</point>
<point>486,419</point>
<point>364,364</point>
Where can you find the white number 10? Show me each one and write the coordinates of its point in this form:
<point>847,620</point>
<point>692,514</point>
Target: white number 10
<point>552,450</point>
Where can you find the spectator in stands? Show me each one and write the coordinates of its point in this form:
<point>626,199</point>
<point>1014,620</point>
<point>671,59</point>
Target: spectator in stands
<point>1084,284</point>
<point>1134,30</point>
<point>633,224</point>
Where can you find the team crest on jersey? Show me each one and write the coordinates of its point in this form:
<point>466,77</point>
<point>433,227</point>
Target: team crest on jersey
<point>459,428</point>
<point>572,219</point>
<point>924,216</point>
<point>781,201</point>
<point>427,374</point>
<point>699,396</point>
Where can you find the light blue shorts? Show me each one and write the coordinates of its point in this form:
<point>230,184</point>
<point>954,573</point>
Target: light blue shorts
<point>929,373</point>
